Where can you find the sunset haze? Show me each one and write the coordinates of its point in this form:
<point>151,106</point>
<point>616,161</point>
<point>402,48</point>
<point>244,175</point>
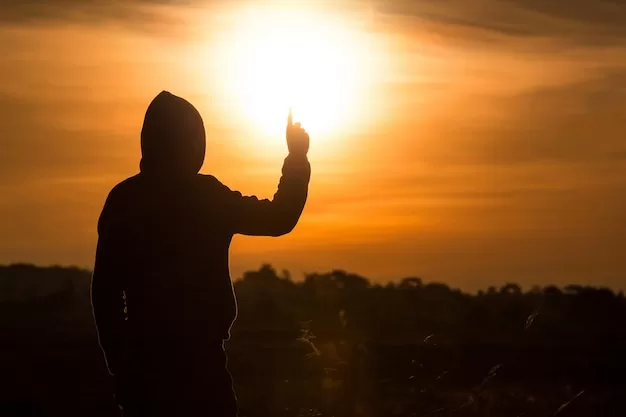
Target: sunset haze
<point>470,143</point>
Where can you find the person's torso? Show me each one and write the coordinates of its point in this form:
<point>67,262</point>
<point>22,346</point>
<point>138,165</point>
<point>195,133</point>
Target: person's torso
<point>178,281</point>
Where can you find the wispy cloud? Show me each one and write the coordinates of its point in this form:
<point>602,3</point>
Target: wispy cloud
<point>581,21</point>
<point>80,10</point>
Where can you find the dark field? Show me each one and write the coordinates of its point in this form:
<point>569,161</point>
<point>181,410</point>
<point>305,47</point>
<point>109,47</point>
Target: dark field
<point>336,345</point>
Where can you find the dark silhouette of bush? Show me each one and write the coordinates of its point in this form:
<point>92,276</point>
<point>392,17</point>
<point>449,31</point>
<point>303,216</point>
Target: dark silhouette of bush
<point>336,344</point>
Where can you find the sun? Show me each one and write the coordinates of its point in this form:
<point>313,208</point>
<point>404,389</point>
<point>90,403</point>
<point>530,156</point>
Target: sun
<point>274,59</point>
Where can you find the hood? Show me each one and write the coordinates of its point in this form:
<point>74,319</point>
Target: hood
<point>173,140</point>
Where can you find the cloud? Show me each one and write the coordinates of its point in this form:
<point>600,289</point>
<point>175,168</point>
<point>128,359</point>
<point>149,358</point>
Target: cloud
<point>34,10</point>
<point>577,21</point>
<point>577,122</point>
<point>36,147</point>
<point>156,17</point>
<point>44,10</point>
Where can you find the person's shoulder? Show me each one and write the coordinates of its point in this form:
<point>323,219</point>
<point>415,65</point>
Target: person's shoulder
<point>125,185</point>
<point>211,183</point>
<point>124,188</point>
<point>116,202</point>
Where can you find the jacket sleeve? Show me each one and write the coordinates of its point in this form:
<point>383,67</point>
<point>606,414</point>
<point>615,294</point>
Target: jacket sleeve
<point>254,217</point>
<point>108,284</point>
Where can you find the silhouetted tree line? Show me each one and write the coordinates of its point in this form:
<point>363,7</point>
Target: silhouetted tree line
<point>337,344</point>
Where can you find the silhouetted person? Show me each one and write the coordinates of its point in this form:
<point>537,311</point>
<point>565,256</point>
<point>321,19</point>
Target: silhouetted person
<point>162,296</point>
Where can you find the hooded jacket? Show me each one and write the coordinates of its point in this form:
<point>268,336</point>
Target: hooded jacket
<point>161,278</point>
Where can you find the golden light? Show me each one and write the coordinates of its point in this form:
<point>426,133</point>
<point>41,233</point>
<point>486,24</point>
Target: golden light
<point>271,59</point>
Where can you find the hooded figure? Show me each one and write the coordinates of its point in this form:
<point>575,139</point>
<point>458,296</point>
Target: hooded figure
<point>162,296</point>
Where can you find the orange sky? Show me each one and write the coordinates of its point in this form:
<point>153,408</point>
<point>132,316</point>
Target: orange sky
<point>472,146</point>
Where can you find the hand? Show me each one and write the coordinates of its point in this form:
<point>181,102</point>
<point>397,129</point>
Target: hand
<point>297,138</point>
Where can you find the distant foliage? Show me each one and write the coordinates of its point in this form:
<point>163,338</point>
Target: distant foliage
<point>336,344</point>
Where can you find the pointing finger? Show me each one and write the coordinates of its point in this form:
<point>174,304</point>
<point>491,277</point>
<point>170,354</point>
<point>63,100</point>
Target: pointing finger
<point>290,118</point>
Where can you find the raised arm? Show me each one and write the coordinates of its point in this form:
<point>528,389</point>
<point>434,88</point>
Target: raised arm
<point>251,216</point>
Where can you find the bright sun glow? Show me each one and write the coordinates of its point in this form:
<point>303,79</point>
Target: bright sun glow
<point>271,60</point>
